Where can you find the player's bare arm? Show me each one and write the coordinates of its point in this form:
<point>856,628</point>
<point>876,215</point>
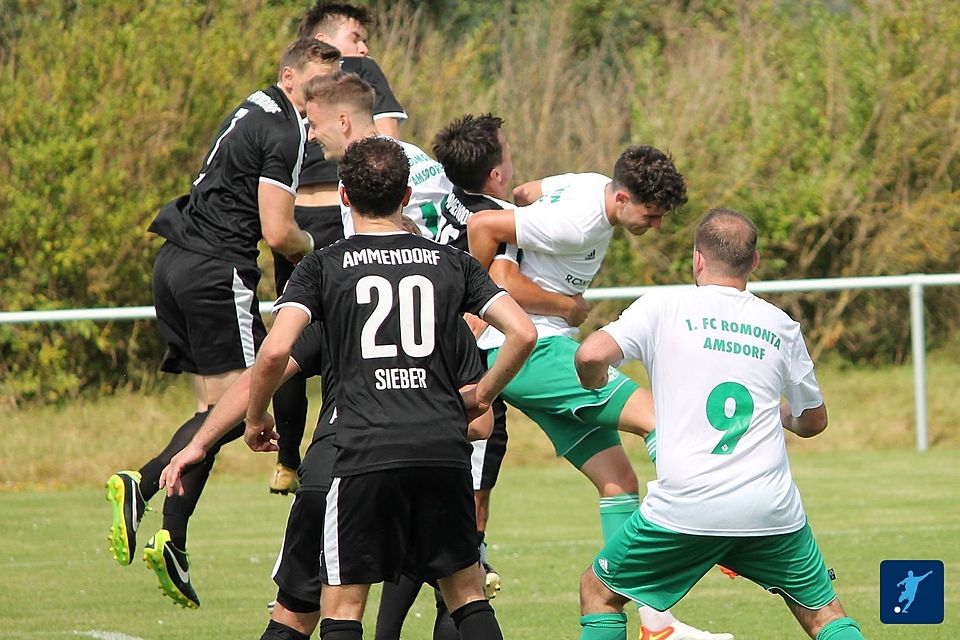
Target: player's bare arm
<point>486,230</point>
<point>528,193</point>
<point>809,423</point>
<point>594,357</point>
<point>277,224</point>
<point>521,336</point>
<point>226,414</point>
<point>267,373</point>
<point>389,127</point>
<point>534,299</point>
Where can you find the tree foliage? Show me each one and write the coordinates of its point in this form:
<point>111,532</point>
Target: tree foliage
<point>834,125</point>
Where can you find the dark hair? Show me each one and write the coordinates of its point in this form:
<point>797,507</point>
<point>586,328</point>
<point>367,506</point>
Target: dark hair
<point>341,88</point>
<point>649,176</point>
<point>324,14</point>
<point>375,172</point>
<point>729,239</point>
<point>301,52</point>
<point>469,148</point>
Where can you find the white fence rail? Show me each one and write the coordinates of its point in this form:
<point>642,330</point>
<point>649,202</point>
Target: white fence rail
<point>916,283</point>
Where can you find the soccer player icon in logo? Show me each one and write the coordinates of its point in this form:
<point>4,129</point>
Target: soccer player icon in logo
<point>909,584</point>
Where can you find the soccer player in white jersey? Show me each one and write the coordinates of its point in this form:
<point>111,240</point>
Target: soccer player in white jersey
<point>340,112</point>
<point>719,360</point>
<point>563,236</point>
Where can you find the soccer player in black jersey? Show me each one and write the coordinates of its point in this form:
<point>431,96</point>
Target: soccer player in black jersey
<point>343,26</point>
<point>204,285</point>
<point>401,496</point>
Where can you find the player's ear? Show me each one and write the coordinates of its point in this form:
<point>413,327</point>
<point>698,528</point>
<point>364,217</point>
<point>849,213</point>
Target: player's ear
<point>406,196</point>
<point>344,198</point>
<point>755,262</point>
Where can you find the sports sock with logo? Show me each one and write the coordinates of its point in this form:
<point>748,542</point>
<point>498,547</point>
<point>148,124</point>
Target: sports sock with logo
<point>603,626</point>
<point>178,509</point>
<point>476,621</point>
<point>651,441</point>
<point>616,510</point>
<point>840,629</point>
<point>279,631</point>
<point>331,629</point>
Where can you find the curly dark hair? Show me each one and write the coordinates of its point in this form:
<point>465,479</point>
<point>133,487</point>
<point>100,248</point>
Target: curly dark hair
<point>324,14</point>
<point>650,177</point>
<point>469,148</point>
<point>729,238</point>
<point>375,172</point>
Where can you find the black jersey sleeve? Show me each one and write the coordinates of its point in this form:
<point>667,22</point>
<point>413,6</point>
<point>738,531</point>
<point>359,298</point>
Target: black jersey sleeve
<point>480,290</point>
<point>469,361</point>
<point>307,351</point>
<point>304,287</point>
<point>385,104</point>
<point>282,157</point>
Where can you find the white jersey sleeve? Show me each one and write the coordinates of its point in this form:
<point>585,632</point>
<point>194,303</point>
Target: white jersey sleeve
<point>634,329</point>
<point>801,389</point>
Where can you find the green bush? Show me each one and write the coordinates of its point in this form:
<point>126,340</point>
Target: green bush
<point>834,125</point>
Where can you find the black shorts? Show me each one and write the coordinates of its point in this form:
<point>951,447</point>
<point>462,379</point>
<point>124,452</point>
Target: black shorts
<point>415,521</point>
<point>326,227</point>
<point>207,311</point>
<point>488,454</point>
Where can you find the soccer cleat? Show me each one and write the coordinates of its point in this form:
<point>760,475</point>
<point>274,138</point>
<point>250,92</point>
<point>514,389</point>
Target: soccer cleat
<point>680,631</point>
<point>492,581</point>
<point>123,493</point>
<point>284,480</point>
<point>172,569</point>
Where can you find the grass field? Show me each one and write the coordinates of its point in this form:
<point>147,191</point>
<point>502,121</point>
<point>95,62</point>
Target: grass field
<point>57,579</point>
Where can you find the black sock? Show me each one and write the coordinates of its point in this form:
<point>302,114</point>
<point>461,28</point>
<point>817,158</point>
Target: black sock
<point>279,631</point>
<point>395,602</point>
<point>290,413</point>
<point>178,509</point>
<point>443,627</point>
<point>475,621</point>
<point>150,472</point>
<point>340,629</point>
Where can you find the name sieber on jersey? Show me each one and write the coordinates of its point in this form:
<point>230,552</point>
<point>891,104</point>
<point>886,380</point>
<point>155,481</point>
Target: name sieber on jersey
<point>395,377</point>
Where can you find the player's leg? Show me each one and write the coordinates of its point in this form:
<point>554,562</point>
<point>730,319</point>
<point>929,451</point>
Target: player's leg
<point>297,571</point>
<point>342,610</point>
<point>289,407</point>
<point>219,305</point>
<point>827,623</point>
<point>485,465</point>
<point>791,564</point>
<point>645,563</point>
<point>395,601</point>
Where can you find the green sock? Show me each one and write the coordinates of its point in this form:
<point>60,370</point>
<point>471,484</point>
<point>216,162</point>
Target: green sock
<point>615,510</point>
<point>651,442</point>
<point>603,626</point>
<point>839,629</point>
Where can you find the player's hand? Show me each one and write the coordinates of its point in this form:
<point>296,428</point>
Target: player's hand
<point>476,406</point>
<point>171,474</point>
<point>578,312</point>
<point>261,434</point>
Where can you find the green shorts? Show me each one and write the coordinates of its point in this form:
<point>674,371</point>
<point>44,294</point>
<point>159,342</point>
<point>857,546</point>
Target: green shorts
<point>579,422</point>
<point>655,566</point>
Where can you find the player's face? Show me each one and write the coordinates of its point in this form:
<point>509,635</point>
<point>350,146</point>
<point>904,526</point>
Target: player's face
<point>638,218</point>
<point>326,128</point>
<point>351,38</point>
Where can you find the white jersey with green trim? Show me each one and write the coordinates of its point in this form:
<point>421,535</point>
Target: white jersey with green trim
<point>563,237</point>
<point>429,183</point>
<point>719,360</point>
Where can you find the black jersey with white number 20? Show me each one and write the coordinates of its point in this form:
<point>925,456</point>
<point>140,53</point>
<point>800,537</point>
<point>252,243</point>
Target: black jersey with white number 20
<point>390,304</point>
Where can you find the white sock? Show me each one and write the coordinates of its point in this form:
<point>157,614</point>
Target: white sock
<point>653,619</point>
